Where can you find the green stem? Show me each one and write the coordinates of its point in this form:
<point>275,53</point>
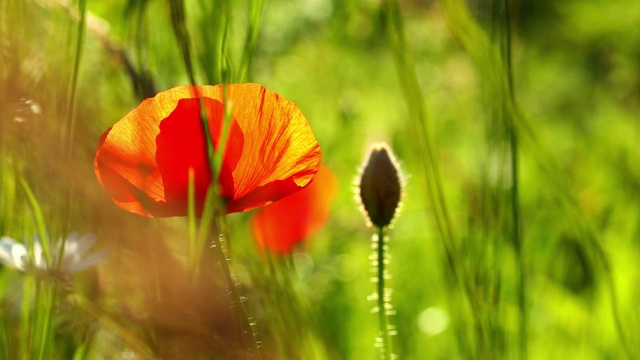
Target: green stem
<point>27,317</point>
<point>255,20</point>
<point>47,304</point>
<point>71,105</point>
<point>385,335</point>
<point>124,331</point>
<point>236,299</point>
<point>515,201</point>
<point>178,21</point>
<point>39,221</point>
<point>414,98</point>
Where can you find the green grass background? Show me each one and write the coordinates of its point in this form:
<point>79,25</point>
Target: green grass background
<point>515,122</point>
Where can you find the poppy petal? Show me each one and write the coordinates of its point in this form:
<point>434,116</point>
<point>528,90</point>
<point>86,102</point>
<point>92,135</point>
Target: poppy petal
<point>278,227</point>
<point>181,146</point>
<point>144,159</point>
<point>126,160</point>
<point>280,153</point>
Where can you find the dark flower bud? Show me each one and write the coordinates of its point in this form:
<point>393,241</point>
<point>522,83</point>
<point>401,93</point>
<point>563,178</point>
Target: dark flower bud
<point>380,185</point>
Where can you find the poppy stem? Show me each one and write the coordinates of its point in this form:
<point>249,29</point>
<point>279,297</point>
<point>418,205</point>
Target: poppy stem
<point>384,305</point>
<point>236,299</point>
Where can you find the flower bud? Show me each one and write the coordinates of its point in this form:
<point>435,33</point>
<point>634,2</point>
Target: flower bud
<point>380,185</point>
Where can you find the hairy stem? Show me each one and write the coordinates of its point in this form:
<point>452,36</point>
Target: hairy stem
<point>237,301</point>
<point>383,299</point>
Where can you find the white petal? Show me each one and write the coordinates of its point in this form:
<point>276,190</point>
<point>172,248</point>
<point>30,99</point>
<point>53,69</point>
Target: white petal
<point>19,256</point>
<point>38,256</point>
<point>91,260</point>
<point>82,243</point>
<point>6,243</point>
<point>6,251</point>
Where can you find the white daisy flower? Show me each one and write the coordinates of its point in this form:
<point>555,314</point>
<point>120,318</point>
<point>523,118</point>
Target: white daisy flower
<point>75,256</point>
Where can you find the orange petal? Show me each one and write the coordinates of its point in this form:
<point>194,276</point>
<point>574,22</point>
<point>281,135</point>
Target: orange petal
<point>144,159</point>
<point>181,146</point>
<point>280,226</point>
<point>280,153</point>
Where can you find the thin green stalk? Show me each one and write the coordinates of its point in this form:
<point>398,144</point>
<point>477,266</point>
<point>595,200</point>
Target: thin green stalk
<point>255,21</point>
<point>140,34</point>
<point>383,298</point>
<point>178,20</point>
<point>217,158</point>
<point>505,97</point>
<point>73,90</point>
<point>140,76</point>
<point>213,203</point>
<point>46,306</point>
<point>281,297</point>
<point>517,242</point>
<point>71,104</point>
<point>222,61</point>
<point>8,187</point>
<point>193,255</point>
<point>415,103</point>
<point>515,201</point>
<point>212,206</point>
<point>276,297</point>
<point>80,352</point>
<point>39,220</point>
<point>122,330</point>
<point>236,299</point>
<point>294,315</point>
<point>307,322</point>
<point>28,294</point>
<point>214,57</point>
<point>4,340</point>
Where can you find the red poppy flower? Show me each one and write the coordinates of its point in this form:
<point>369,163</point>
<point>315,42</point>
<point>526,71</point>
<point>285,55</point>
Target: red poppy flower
<point>143,161</point>
<point>281,225</point>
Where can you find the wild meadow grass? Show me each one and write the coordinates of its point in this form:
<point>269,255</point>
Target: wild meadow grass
<point>514,122</point>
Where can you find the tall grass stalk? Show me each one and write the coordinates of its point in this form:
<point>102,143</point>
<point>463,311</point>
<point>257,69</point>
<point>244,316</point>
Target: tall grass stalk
<point>413,96</point>
<point>8,188</point>
<point>5,333</point>
<point>80,352</point>
<point>214,56</point>
<point>194,250</point>
<point>505,51</point>
<point>46,302</point>
<point>73,84</point>
<point>26,316</point>
<point>143,81</point>
<point>237,300</point>
<point>181,32</point>
<point>70,110</point>
<point>39,222</point>
<point>123,330</point>
<point>255,19</point>
<point>294,315</point>
<point>213,204</point>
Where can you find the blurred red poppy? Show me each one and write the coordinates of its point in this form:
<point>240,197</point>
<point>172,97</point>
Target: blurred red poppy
<point>280,226</point>
<point>143,161</point>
